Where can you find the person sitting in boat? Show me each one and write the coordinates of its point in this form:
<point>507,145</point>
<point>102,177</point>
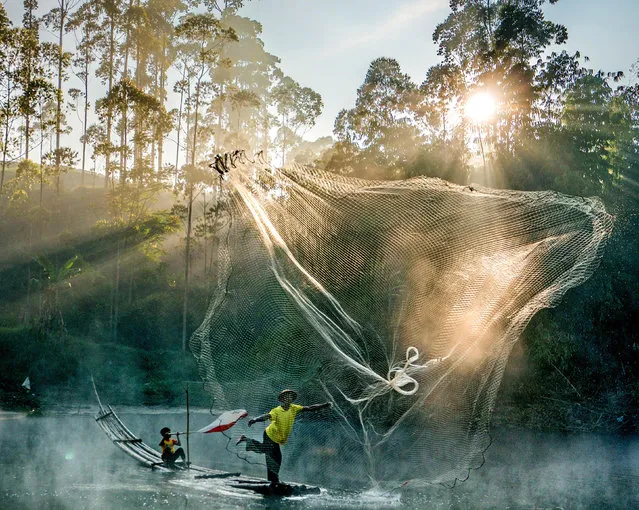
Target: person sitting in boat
<point>168,444</point>
<point>275,435</point>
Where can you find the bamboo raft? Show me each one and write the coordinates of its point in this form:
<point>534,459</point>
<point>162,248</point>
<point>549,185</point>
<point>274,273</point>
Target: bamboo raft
<point>124,439</point>
<point>135,447</point>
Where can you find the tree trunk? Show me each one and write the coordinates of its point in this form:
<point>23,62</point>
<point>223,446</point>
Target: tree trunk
<point>195,121</point>
<point>204,204</point>
<point>137,149</point>
<point>58,113</point>
<point>123,131</point>
<point>212,260</point>
<point>123,143</point>
<point>30,58</point>
<point>284,143</point>
<point>218,128</point>
<point>154,140</point>
<point>86,114</point>
<point>111,305</point>
<point>108,173</point>
<point>265,138</point>
<point>444,123</point>
<point>162,93</point>
<point>6,134</point>
<point>188,120</point>
<point>214,238</point>
<point>27,312</point>
<point>116,294</point>
<point>41,164</point>
<point>179,126</point>
<point>27,128</point>
<point>187,256</point>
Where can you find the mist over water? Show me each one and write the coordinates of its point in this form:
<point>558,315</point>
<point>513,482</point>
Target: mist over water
<point>65,461</point>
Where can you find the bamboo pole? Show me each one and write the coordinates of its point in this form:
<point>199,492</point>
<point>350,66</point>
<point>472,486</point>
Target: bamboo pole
<point>188,452</point>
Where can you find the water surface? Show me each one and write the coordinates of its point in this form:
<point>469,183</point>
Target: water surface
<point>64,461</point>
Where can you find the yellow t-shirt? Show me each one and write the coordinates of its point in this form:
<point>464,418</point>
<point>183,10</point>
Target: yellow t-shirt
<point>282,422</point>
<point>167,446</point>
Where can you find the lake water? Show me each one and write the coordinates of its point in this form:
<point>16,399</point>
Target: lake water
<point>64,461</point>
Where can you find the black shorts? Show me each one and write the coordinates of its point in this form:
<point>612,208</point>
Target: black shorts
<point>272,452</point>
<point>172,457</point>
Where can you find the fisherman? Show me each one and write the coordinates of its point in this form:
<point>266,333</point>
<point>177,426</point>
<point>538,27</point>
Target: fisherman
<point>169,453</point>
<point>276,434</point>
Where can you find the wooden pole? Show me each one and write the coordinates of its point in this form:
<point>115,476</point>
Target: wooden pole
<point>188,451</point>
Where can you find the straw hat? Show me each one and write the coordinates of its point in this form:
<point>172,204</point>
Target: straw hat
<point>284,393</point>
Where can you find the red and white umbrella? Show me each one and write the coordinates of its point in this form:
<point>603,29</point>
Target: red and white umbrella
<point>225,421</point>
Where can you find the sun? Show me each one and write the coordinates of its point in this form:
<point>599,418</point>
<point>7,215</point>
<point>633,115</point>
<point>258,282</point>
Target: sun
<point>480,107</point>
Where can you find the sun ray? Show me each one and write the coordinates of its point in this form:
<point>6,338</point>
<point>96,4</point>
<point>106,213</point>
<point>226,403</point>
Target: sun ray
<point>480,107</point>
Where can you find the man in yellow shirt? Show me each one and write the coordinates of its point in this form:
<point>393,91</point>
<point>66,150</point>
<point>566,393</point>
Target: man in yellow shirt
<point>282,418</point>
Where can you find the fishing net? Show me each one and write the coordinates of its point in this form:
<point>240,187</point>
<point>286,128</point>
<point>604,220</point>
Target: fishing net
<point>399,301</point>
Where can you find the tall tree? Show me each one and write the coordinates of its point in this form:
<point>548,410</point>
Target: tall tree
<point>147,118</point>
<point>298,108</point>
<point>9,84</point>
<point>44,97</point>
<point>131,225</point>
<point>107,70</point>
<point>162,16</point>
<point>45,124</point>
<point>491,43</point>
<point>383,122</point>
<point>440,88</point>
<point>143,40</point>
<point>243,89</point>
<point>85,21</point>
<point>55,278</point>
<point>57,19</point>
<point>181,86</point>
<point>202,37</point>
<point>30,69</point>
<point>223,6</point>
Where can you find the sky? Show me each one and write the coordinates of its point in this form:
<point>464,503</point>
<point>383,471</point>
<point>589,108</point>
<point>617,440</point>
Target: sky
<point>327,45</point>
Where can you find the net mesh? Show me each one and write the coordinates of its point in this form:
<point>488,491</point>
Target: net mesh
<point>397,300</point>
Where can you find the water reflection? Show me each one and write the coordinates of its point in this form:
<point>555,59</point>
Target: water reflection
<point>65,462</point>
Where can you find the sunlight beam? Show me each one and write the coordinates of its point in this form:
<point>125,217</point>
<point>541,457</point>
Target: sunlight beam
<point>480,107</point>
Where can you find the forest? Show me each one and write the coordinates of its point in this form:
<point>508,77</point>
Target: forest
<point>108,247</point>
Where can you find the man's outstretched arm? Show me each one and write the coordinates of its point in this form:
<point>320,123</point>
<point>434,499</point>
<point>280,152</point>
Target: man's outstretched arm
<point>264,417</point>
<point>316,407</point>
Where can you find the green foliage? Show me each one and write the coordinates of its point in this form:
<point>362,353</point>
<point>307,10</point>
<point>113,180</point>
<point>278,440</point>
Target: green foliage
<point>149,323</point>
<point>18,190</point>
<point>54,279</point>
<point>383,122</point>
<point>298,107</point>
<point>560,126</point>
<point>133,375</point>
<point>28,352</point>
